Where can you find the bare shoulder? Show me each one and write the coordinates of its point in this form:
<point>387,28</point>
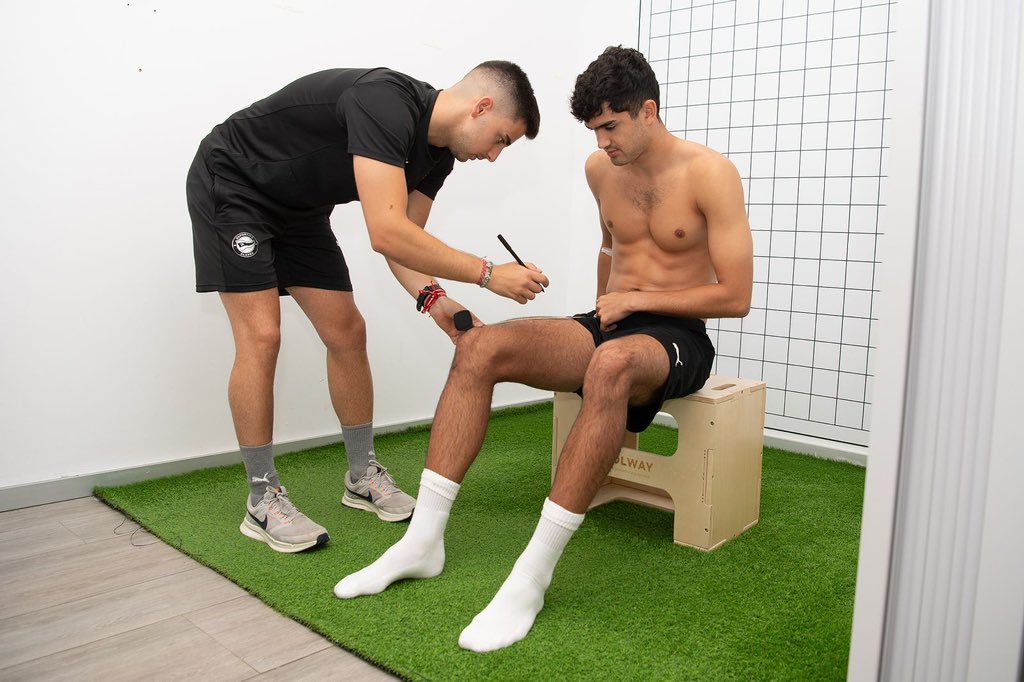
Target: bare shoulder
<point>597,168</point>
<point>712,178</point>
<point>718,189</point>
<point>711,168</point>
<point>597,163</point>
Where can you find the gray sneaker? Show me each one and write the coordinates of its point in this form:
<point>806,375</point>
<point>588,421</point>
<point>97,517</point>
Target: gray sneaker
<point>376,492</point>
<point>275,521</point>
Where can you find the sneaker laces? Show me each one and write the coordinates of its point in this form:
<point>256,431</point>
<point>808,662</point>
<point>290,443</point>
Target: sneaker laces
<point>381,480</point>
<point>281,502</point>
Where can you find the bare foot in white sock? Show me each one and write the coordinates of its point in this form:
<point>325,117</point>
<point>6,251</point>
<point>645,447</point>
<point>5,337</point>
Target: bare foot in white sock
<point>509,616</point>
<point>407,558</point>
<point>420,552</point>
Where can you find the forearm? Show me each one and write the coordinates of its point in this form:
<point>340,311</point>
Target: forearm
<point>417,251</point>
<point>411,280</point>
<point>707,301</point>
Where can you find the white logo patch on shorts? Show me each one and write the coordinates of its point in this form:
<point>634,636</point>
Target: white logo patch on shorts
<point>245,245</point>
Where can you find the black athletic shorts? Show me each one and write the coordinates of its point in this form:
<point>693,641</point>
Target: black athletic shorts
<point>243,241</point>
<point>690,354</point>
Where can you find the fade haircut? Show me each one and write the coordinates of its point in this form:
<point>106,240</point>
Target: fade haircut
<point>621,77</point>
<point>514,83</point>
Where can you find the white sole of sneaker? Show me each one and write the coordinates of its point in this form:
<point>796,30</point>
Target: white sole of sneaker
<point>253,531</point>
<point>359,503</point>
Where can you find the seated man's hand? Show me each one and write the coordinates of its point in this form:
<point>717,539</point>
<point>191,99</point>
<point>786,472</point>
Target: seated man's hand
<point>614,307</point>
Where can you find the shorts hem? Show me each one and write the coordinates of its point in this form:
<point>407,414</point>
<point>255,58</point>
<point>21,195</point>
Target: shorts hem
<point>228,288</point>
<point>327,286</point>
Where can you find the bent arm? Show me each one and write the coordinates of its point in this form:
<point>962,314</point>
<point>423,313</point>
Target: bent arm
<point>418,210</point>
<point>730,244</point>
<point>385,202</point>
<point>412,281</point>
<point>395,235</point>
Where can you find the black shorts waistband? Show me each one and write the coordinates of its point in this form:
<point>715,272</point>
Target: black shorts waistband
<point>644,319</point>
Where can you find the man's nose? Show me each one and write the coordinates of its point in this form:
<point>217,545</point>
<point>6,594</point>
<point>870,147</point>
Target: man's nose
<point>492,155</point>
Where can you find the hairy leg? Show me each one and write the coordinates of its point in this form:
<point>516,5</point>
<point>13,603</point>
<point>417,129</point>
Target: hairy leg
<point>623,371</point>
<point>342,329</point>
<point>626,371</point>
<point>546,353</point>
<point>255,318</point>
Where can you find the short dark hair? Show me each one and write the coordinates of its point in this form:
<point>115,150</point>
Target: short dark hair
<point>621,77</point>
<point>513,81</point>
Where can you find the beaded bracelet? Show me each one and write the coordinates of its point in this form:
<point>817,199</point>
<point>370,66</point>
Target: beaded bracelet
<point>485,274</point>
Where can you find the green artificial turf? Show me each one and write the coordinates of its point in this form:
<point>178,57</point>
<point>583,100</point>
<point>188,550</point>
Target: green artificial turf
<point>625,603</point>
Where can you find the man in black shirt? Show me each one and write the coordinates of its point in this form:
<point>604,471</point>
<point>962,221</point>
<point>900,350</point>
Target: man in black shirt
<point>260,193</point>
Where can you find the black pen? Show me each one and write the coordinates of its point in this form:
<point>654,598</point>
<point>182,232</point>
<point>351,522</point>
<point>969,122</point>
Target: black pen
<point>514,254</point>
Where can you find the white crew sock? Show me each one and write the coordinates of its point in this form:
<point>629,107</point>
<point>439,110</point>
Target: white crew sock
<point>510,615</point>
<point>420,552</point>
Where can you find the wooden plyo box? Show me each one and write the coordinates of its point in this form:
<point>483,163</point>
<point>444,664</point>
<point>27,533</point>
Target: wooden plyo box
<point>713,480</point>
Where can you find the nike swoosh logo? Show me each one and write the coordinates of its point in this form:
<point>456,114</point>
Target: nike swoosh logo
<point>262,524</point>
<point>368,497</point>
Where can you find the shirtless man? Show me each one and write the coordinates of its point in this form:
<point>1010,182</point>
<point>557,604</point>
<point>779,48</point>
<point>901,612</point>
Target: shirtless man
<point>676,248</point>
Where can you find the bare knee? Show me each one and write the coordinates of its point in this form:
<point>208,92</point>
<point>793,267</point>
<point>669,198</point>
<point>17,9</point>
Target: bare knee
<point>610,372</point>
<point>346,335</point>
<point>478,353</point>
<point>259,342</point>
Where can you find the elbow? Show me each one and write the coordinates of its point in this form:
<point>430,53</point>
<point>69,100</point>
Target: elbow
<point>381,241</point>
<point>741,307</point>
<point>742,299</point>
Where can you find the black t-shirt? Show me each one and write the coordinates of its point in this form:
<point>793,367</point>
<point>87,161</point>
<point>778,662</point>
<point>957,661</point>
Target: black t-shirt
<point>296,146</point>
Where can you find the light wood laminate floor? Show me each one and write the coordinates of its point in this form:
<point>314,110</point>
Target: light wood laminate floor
<point>79,602</point>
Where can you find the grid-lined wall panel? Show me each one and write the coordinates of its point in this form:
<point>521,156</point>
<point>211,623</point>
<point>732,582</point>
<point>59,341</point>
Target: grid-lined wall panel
<point>794,92</point>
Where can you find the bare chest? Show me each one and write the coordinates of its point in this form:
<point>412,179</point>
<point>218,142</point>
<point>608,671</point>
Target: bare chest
<point>667,216</point>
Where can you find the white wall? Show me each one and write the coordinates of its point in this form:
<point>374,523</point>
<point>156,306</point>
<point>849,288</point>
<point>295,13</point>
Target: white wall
<point>108,359</point>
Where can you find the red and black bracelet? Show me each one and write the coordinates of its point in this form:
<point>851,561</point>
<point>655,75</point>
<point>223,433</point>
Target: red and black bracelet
<point>428,296</point>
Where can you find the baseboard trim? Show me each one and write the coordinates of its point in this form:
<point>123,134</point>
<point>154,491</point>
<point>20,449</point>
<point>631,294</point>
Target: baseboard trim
<point>817,447</point>
<point>72,487</point>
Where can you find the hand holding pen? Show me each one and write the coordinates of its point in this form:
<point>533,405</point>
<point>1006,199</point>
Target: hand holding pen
<point>519,281</point>
<point>502,276</point>
<point>515,255</point>
<point>523,291</point>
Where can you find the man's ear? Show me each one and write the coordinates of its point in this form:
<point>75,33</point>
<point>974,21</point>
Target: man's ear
<point>482,105</point>
<point>650,110</point>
